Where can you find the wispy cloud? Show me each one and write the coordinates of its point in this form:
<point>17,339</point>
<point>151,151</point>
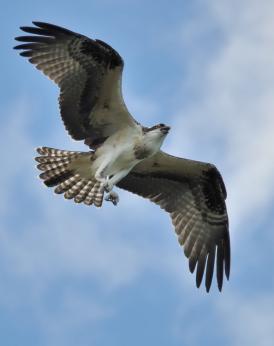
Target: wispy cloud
<point>250,320</point>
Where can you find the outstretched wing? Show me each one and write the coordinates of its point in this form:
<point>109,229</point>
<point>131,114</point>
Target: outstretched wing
<point>89,74</point>
<point>194,194</point>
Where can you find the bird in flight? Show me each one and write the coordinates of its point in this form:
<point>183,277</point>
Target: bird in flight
<point>124,153</point>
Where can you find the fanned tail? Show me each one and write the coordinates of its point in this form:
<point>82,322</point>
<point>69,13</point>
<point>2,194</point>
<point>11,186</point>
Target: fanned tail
<point>70,172</point>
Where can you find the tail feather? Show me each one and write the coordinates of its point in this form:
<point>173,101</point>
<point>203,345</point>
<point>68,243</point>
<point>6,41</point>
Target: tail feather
<point>46,151</point>
<point>53,173</point>
<point>50,159</point>
<point>95,195</point>
<point>75,189</point>
<point>53,165</point>
<point>60,169</point>
<point>67,184</point>
<point>83,192</point>
<point>98,194</point>
<point>54,180</point>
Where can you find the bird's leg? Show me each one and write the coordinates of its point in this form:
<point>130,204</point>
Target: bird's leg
<point>111,181</point>
<point>107,185</point>
<point>111,196</point>
<point>108,179</point>
<point>100,176</point>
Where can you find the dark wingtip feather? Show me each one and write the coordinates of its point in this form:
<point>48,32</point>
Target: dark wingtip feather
<point>24,38</point>
<point>40,24</point>
<point>18,38</point>
<point>220,265</point>
<point>227,258</point>
<point>227,270</point>
<point>36,31</point>
<point>39,39</point>
<point>26,28</point>
<point>198,281</point>
<point>220,286</point>
<point>26,54</point>
<point>200,269</point>
<point>54,29</point>
<point>210,268</point>
<point>25,46</point>
<point>192,264</point>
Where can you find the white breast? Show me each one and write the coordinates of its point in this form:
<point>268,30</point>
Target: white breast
<point>117,152</point>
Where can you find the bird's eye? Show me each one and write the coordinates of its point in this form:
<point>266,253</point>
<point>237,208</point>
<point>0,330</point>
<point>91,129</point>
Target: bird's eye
<point>162,125</point>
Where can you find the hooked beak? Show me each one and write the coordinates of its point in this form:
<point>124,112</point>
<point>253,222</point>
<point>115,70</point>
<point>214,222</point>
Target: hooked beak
<point>165,129</point>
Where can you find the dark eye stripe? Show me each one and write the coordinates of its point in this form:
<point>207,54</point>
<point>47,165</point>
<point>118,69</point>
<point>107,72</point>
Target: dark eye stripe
<point>146,129</point>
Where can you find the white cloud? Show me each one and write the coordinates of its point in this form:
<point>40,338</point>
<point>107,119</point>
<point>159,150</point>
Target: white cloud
<point>249,320</point>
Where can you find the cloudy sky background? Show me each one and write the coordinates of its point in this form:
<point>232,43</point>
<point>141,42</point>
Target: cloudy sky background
<point>76,275</point>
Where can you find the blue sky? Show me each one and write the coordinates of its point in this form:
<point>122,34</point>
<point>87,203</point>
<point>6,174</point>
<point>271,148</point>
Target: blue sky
<point>76,275</point>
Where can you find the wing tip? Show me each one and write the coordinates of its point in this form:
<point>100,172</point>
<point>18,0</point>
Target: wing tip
<point>206,263</point>
<point>24,28</point>
<point>54,29</point>
<point>18,38</point>
<point>36,22</point>
<point>192,264</point>
<point>227,256</point>
<point>227,273</point>
<point>220,286</point>
<point>39,23</point>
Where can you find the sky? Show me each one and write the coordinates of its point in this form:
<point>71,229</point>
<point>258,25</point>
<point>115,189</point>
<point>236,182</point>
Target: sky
<point>76,275</point>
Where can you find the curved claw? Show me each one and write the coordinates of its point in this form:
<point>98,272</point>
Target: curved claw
<point>112,197</point>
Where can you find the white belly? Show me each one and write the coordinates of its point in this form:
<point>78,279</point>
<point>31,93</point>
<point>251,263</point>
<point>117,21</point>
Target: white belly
<point>116,155</point>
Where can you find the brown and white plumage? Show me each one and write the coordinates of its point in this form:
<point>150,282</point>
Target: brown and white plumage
<point>64,169</point>
<point>193,193</point>
<point>124,153</point>
<point>89,74</point>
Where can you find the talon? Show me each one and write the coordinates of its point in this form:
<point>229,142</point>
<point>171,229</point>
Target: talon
<point>112,197</point>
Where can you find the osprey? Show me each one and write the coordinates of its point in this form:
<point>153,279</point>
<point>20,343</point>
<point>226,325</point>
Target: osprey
<point>123,152</point>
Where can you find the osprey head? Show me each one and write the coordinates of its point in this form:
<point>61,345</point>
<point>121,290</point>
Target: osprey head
<point>154,137</point>
<point>158,130</point>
